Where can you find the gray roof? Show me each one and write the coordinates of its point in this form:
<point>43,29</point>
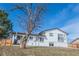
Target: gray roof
<point>53,29</point>
<point>40,32</point>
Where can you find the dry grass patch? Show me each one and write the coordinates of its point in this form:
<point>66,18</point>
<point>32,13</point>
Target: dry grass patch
<point>38,51</point>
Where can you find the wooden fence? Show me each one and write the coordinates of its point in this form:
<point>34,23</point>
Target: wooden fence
<point>6,42</point>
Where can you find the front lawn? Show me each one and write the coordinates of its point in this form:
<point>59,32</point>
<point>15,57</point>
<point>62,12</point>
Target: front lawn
<point>38,51</point>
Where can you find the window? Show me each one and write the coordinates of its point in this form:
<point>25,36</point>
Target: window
<point>18,37</point>
<point>37,38</point>
<point>50,34</point>
<point>51,44</point>
<point>60,38</point>
<point>41,39</point>
<point>30,37</point>
<point>32,43</point>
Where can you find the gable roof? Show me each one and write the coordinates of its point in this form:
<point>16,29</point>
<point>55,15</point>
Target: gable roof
<point>74,40</point>
<point>53,29</point>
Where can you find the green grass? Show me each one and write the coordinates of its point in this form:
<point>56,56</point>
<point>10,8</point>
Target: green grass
<point>38,51</point>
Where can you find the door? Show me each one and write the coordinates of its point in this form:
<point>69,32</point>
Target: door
<point>51,44</point>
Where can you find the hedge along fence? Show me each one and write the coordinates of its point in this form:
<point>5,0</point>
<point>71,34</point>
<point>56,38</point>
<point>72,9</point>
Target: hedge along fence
<point>6,42</point>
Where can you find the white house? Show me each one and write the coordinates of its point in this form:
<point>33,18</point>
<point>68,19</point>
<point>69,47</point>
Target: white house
<point>49,38</point>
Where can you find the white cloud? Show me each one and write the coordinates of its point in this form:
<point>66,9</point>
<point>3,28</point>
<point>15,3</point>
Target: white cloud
<point>72,28</point>
<point>72,24</point>
<point>63,14</point>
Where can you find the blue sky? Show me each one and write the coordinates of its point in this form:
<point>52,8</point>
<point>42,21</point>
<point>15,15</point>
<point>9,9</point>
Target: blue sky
<point>64,16</point>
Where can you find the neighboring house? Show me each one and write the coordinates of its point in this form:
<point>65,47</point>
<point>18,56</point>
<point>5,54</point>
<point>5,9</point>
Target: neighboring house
<point>48,38</point>
<point>75,43</point>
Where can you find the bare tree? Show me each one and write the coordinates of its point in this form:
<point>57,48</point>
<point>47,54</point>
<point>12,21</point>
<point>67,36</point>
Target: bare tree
<point>33,13</point>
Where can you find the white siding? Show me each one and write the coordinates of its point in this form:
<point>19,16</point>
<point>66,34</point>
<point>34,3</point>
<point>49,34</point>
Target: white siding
<point>54,39</point>
<point>50,39</point>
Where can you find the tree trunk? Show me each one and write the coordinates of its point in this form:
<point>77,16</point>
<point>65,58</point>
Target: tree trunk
<point>24,42</point>
<point>21,44</point>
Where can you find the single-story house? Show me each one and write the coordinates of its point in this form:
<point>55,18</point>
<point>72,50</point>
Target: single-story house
<point>75,43</point>
<point>49,38</point>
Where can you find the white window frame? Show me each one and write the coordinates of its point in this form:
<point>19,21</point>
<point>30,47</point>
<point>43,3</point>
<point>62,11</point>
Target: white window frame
<point>61,38</point>
<point>31,37</point>
<point>41,39</point>
<point>50,34</point>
